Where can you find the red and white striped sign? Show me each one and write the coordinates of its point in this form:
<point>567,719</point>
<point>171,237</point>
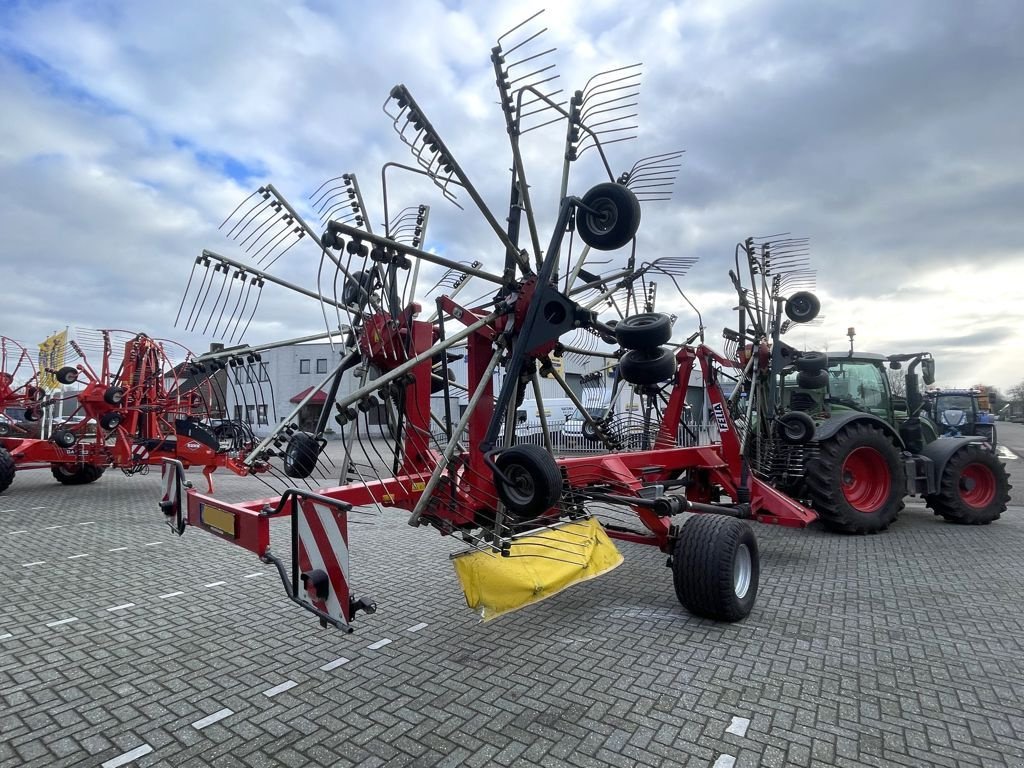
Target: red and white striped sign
<point>139,452</point>
<point>323,546</point>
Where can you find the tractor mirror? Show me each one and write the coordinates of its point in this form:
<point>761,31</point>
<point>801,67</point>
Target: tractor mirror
<point>928,371</point>
<point>895,365</point>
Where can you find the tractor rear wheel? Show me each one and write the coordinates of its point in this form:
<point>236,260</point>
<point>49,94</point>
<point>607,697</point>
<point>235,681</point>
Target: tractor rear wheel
<point>716,567</point>
<point>6,469</point>
<point>856,481</point>
<point>75,474</point>
<point>974,488</point>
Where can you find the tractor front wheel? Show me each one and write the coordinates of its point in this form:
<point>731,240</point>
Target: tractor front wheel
<point>856,482</point>
<point>76,474</point>
<point>716,567</point>
<point>974,488</point>
<point>6,469</point>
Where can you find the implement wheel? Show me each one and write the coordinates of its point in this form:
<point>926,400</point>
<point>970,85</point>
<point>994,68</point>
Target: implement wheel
<point>67,375</point>
<point>300,455</point>
<point>716,567</point>
<point>113,395</point>
<point>609,216</point>
<point>647,366</point>
<point>6,469</point>
<point>651,329</point>
<point>856,482</point>
<point>974,488</point>
<point>75,474</point>
<point>534,481</point>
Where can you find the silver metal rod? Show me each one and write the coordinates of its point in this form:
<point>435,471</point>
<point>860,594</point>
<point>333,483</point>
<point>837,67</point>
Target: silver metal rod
<point>540,412</point>
<point>272,279</point>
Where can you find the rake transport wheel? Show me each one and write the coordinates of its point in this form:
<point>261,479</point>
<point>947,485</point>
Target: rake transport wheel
<point>609,217</point>
<point>651,329</point>
<point>76,474</point>
<point>113,395</point>
<point>716,567</point>
<point>856,481</point>
<point>974,488</point>
<point>67,375</point>
<point>534,481</point>
<point>647,366</point>
<point>802,307</point>
<point>6,470</point>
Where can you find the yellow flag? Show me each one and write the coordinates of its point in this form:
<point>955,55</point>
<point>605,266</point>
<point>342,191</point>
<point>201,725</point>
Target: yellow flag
<point>51,355</point>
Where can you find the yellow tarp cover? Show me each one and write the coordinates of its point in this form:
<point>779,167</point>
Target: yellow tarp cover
<point>541,564</point>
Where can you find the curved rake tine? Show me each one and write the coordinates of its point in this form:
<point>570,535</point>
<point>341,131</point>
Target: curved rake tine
<point>259,191</point>
<point>227,299</point>
<point>282,253</point>
<point>249,282</point>
<point>272,245</point>
<point>255,306</point>
<point>275,209</point>
<point>254,211</point>
<point>187,287</point>
<point>227,274</point>
<point>197,308</point>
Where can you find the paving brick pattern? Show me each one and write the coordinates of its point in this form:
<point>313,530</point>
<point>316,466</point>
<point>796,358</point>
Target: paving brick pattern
<point>900,649</point>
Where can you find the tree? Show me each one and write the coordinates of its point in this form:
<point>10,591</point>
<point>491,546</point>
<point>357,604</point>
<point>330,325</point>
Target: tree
<point>1016,393</point>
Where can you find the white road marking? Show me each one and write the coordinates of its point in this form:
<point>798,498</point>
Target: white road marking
<point>170,594</point>
<point>215,584</point>
<point>153,543</point>
<point>75,557</point>
<point>285,686</point>
<point>12,533</point>
<point>334,664</point>
<point>121,607</point>
<point>128,757</point>
<point>1006,453</point>
<point>378,644</point>
<point>417,627</point>
<point>91,522</point>
<point>724,761</point>
<point>738,726</point>
<point>117,549</point>
<point>56,526</point>
<point>211,719</point>
<point>37,562</point>
<point>62,621</point>
<point>10,510</point>
<point>51,527</point>
<point>8,634</point>
<point>253,575</point>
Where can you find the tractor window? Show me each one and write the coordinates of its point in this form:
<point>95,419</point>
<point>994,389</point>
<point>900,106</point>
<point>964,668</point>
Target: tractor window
<point>959,402</point>
<point>859,383</point>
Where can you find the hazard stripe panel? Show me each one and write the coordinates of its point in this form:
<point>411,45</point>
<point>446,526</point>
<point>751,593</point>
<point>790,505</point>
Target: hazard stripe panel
<point>323,546</point>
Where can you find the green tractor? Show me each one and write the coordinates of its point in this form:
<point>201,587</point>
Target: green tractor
<point>829,431</point>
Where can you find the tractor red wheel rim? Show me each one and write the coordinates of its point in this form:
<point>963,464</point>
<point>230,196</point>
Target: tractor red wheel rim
<point>977,485</point>
<point>866,479</point>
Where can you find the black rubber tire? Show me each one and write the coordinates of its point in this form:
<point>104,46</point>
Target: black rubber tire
<point>590,433</point>
<point>111,420</point>
<point>64,438</point>
<point>837,501</point>
<point>616,220</point>
<point>795,428</point>
<point>33,414</point>
<point>113,395</point>
<point>704,567</point>
<point>802,307</point>
<point>647,366</point>
<point>536,481</point>
<point>300,455</point>
<point>5,429</point>
<point>966,469</point>
<point>651,329</point>
<point>808,380</point>
<point>67,375</point>
<point>75,474</point>
<point>988,432</point>
<point>6,469</point>
<point>811,362</point>
<point>357,287</point>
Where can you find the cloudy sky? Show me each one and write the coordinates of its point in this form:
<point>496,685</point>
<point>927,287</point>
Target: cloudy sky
<point>889,133</point>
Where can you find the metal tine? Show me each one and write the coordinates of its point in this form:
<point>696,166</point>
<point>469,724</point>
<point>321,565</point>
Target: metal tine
<point>229,282</point>
<point>273,245</point>
<point>204,289</point>
<point>253,213</point>
<point>280,225</point>
<point>275,208</point>
<point>241,276</point>
<point>261,191</point>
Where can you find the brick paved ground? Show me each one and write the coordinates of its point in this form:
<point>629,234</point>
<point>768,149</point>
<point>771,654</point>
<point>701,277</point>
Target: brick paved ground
<point>899,649</point>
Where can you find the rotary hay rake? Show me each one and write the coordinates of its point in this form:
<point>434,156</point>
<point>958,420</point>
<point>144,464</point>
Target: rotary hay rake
<point>135,408</point>
<point>527,517</point>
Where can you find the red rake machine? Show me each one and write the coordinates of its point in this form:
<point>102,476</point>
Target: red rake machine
<point>134,410</point>
<point>450,457</point>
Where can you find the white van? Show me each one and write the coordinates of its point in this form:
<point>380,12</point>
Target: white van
<point>556,411</point>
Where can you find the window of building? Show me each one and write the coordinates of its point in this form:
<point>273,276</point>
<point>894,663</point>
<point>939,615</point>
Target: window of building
<point>321,365</point>
<point>303,366</point>
<point>249,412</point>
<point>238,413</point>
<point>261,414</point>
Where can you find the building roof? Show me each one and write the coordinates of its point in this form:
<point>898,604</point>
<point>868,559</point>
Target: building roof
<point>318,399</point>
